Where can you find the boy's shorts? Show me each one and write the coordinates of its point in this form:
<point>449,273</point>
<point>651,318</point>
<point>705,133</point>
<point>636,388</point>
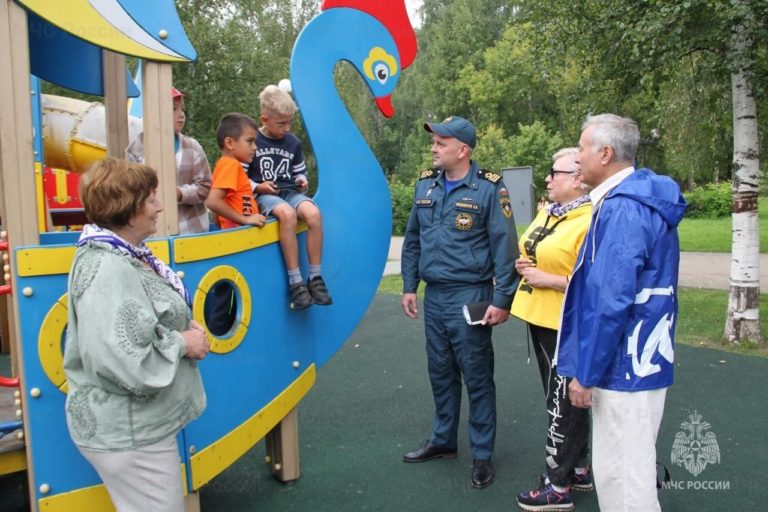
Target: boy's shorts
<point>268,201</point>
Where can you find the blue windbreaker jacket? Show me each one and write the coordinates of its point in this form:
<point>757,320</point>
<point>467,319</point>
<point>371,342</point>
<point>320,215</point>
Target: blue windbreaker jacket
<point>620,308</point>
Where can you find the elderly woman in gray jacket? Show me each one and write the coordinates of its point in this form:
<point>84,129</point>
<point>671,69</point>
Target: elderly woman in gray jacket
<point>132,347</point>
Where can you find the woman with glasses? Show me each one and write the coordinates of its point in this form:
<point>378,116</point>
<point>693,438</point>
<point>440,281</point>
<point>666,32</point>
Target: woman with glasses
<point>548,251</point>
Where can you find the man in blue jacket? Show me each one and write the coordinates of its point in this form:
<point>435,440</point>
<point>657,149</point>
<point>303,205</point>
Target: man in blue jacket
<point>620,311</point>
<point>461,241</point>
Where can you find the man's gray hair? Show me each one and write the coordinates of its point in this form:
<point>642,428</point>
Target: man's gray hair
<point>621,133</point>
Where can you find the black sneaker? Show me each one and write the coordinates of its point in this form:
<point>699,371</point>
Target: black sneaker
<point>545,498</point>
<point>319,291</point>
<point>300,296</point>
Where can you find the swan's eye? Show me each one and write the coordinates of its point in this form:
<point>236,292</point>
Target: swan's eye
<point>382,72</point>
<point>379,65</point>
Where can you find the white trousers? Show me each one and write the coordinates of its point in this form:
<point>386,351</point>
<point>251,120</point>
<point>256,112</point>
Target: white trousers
<point>624,429</point>
<point>143,480</point>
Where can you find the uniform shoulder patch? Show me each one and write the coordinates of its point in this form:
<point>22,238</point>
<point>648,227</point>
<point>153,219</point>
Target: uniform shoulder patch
<point>488,175</point>
<point>428,173</point>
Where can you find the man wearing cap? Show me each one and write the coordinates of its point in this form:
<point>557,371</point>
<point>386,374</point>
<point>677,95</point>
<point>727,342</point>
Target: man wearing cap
<point>193,173</point>
<point>461,242</point>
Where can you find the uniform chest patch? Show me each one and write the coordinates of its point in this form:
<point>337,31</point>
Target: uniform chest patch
<point>424,202</point>
<point>464,222</point>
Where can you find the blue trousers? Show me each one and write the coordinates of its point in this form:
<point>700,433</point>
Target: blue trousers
<point>456,349</point>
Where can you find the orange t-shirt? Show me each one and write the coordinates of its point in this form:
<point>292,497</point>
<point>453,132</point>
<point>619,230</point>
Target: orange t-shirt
<point>230,175</point>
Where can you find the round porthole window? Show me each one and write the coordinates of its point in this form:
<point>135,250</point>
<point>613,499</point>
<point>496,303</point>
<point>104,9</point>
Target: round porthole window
<point>222,304</point>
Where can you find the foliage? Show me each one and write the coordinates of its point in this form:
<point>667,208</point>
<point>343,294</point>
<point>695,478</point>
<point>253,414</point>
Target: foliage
<point>709,201</point>
<point>242,46</point>
<point>666,64</point>
<point>511,88</point>
<point>402,201</point>
<point>455,34</point>
<point>533,146</point>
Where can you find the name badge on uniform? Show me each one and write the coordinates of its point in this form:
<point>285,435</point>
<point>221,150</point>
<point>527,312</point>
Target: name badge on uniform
<point>468,206</point>
<point>423,203</point>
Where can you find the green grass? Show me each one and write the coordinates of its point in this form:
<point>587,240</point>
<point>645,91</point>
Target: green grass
<point>715,235</point>
<point>700,322</point>
<point>702,319</point>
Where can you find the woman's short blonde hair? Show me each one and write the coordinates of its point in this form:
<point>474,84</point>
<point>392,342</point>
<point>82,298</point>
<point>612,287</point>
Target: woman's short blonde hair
<point>113,190</point>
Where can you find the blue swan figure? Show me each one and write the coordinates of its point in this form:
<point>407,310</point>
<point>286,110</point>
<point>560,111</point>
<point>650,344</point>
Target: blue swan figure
<point>352,194</point>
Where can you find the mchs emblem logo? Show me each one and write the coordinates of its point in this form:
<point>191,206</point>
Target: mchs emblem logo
<point>694,446</point>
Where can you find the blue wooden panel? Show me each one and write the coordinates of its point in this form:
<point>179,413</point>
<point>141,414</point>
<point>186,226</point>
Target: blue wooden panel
<point>55,458</point>
<point>157,16</point>
<point>241,382</point>
<point>63,59</point>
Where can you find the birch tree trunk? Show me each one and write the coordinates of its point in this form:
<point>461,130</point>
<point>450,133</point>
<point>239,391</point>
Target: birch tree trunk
<point>743,316</point>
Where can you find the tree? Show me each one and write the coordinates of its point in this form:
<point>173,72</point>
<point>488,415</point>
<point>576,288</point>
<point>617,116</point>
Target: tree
<point>743,318</point>
<point>242,46</point>
<point>511,86</point>
<point>642,44</point>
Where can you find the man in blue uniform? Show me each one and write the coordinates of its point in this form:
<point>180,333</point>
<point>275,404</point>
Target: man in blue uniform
<point>461,242</point>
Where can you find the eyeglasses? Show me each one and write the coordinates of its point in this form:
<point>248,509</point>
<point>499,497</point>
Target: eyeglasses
<point>554,171</point>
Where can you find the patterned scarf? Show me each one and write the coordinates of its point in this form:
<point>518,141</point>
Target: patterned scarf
<point>94,233</point>
<point>558,210</point>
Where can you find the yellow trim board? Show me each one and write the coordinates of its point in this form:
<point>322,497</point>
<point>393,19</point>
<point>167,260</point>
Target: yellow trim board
<point>13,461</point>
<point>217,457</point>
<point>40,194</point>
<point>225,242</point>
<point>49,343</point>
<point>48,261</point>
<point>89,498</point>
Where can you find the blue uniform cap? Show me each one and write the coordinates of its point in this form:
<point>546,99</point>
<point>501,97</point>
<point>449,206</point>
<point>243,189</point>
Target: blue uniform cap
<point>456,127</point>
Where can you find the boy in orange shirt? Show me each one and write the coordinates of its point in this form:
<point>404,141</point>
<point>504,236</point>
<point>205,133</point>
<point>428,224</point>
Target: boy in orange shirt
<point>231,200</point>
<point>231,197</point>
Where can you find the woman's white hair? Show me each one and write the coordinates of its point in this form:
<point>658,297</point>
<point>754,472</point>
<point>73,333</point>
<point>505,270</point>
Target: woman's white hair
<point>575,153</point>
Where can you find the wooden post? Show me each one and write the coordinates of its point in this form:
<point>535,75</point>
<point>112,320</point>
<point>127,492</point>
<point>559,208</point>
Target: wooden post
<point>192,502</point>
<point>158,140</point>
<point>17,167</point>
<point>115,103</point>
<point>282,446</point>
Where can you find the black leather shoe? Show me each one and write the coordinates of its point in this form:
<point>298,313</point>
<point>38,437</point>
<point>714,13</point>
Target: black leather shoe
<point>482,474</point>
<point>429,452</point>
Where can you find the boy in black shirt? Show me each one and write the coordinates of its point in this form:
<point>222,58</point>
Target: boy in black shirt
<point>281,176</point>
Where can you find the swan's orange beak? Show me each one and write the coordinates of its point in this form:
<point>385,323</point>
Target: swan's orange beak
<point>385,105</point>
